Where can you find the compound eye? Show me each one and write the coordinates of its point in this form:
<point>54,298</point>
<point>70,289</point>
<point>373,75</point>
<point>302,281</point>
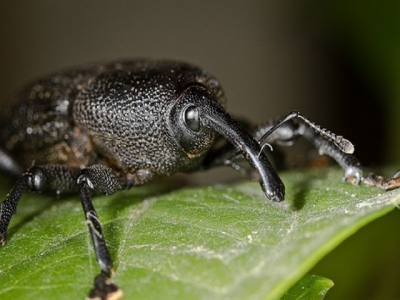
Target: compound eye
<point>192,118</point>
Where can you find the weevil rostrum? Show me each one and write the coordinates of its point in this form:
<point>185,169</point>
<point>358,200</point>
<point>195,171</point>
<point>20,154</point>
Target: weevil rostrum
<point>108,127</point>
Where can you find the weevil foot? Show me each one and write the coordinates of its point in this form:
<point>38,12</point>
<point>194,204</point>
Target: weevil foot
<point>104,289</point>
<point>382,182</point>
<point>353,175</point>
<point>3,240</point>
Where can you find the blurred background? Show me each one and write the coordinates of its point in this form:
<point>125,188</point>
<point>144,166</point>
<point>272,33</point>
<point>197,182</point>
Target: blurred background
<point>337,62</point>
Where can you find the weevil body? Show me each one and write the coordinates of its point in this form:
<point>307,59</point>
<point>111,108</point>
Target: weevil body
<point>120,115</point>
<point>109,127</point>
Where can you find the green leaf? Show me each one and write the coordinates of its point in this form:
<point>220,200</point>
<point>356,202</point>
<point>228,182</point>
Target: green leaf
<point>219,242</point>
<point>310,287</point>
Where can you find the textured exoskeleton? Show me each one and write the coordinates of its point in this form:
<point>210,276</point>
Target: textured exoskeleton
<point>109,127</point>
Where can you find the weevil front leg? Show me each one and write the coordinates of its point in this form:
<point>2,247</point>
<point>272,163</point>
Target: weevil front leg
<point>386,183</point>
<point>294,125</point>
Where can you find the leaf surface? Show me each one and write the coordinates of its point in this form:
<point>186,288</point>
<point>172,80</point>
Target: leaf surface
<point>217,242</point>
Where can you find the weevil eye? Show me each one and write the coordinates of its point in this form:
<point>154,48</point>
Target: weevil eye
<point>186,122</point>
<point>192,118</point>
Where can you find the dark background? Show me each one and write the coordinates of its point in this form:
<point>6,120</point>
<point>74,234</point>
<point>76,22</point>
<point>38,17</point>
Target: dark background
<point>336,62</point>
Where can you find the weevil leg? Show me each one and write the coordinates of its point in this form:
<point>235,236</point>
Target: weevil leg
<point>288,129</point>
<point>99,179</point>
<point>9,206</point>
<point>382,182</point>
<point>88,181</point>
<point>295,125</point>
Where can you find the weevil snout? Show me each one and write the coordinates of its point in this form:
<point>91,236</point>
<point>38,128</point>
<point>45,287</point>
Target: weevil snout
<point>196,119</point>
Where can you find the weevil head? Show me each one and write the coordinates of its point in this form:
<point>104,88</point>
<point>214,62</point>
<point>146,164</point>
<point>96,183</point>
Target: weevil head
<point>196,118</point>
<point>186,123</point>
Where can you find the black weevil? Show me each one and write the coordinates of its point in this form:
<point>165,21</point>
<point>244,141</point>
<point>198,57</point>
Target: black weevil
<point>112,126</point>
